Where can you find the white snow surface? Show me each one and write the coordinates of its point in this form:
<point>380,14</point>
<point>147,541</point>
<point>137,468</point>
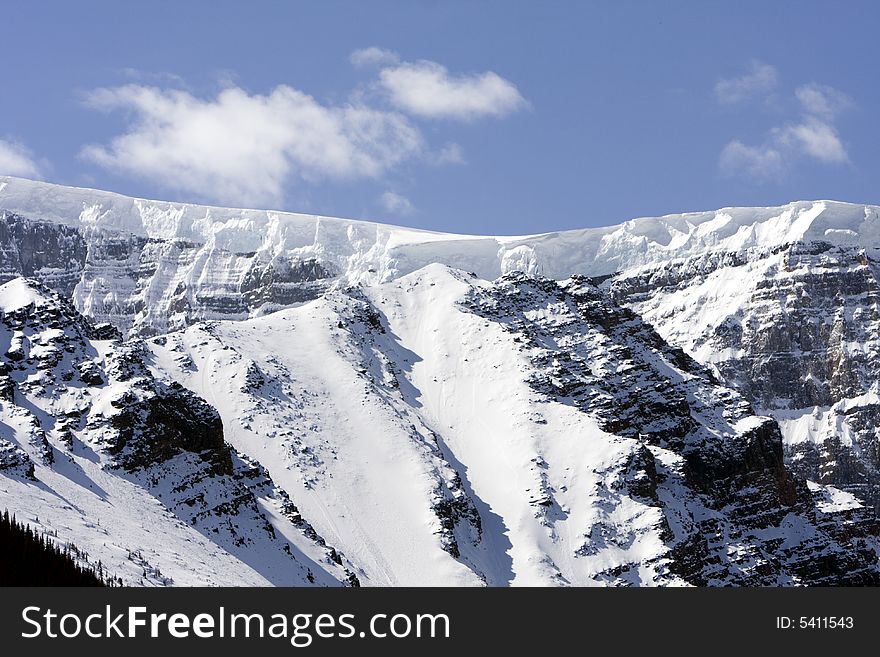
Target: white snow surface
<point>17,294</point>
<point>818,425</point>
<point>134,523</point>
<point>365,251</point>
<point>833,500</point>
<point>375,457</point>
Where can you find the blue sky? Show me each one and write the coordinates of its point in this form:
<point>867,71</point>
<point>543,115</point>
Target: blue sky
<point>481,117</point>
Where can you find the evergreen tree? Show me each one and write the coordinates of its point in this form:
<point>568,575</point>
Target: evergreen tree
<point>27,558</point>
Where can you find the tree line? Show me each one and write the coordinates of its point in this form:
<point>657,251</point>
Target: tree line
<point>28,558</point>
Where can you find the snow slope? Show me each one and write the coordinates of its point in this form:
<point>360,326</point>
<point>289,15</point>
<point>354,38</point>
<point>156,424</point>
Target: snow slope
<point>363,435</point>
<point>443,430</point>
<point>88,457</point>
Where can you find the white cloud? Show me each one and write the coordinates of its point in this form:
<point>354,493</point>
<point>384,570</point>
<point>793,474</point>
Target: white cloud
<point>427,89</point>
<point>822,100</point>
<point>813,139</point>
<point>816,139</point>
<point>451,153</point>
<point>373,56</point>
<point>759,162</point>
<point>396,204</point>
<point>241,148</point>
<point>16,160</point>
<point>761,78</point>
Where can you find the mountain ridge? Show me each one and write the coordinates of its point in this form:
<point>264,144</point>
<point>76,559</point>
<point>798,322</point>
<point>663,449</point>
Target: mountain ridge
<point>42,187</point>
<point>589,251</point>
<point>569,408</point>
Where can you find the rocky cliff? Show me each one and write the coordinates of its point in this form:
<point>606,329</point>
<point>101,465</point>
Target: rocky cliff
<point>797,331</point>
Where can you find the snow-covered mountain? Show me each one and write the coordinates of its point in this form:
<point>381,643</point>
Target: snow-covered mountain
<point>304,399</point>
<point>134,470</point>
<point>796,329</point>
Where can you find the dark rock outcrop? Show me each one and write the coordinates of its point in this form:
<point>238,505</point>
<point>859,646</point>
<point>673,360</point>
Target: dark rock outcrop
<point>731,505</point>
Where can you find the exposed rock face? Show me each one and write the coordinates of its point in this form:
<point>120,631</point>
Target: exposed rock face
<point>147,286</point>
<point>738,468</point>
<point>72,390</point>
<point>15,460</point>
<point>176,420</point>
<point>50,252</point>
<point>705,454</point>
<point>50,349</point>
<point>797,331</point>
